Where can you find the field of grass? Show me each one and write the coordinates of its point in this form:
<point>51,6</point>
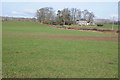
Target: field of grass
<point>105,26</point>
<point>29,57</point>
<point>37,28</point>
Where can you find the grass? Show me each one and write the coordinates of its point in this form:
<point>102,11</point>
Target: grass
<point>105,26</point>
<point>56,58</point>
<point>37,28</point>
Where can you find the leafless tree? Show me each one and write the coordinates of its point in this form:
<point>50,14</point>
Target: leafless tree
<point>66,16</point>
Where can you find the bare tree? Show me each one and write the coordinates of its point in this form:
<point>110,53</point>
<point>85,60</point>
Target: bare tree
<point>41,15</point>
<point>91,16</point>
<point>73,15</point>
<point>47,15</point>
<point>59,17</point>
<point>79,14</point>
<point>66,16</point>
<point>85,13</point>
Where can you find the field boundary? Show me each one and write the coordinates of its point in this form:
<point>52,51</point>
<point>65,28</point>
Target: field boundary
<point>89,29</point>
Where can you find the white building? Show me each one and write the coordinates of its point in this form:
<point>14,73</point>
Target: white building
<point>84,22</point>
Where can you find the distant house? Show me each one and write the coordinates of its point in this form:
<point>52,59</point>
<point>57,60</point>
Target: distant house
<point>84,22</point>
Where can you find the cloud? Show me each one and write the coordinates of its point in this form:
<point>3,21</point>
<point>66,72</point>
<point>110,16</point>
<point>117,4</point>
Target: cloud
<point>114,15</point>
<point>29,11</point>
<point>24,13</point>
<point>17,13</point>
<point>98,17</point>
<point>14,12</point>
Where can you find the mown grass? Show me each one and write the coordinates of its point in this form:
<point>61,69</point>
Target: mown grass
<point>37,28</point>
<point>56,58</point>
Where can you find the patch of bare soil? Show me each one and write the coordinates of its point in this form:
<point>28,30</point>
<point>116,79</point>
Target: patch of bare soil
<point>88,29</point>
<point>68,37</point>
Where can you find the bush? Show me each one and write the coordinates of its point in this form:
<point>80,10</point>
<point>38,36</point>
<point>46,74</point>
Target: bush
<point>54,23</point>
<point>61,23</point>
<point>99,24</point>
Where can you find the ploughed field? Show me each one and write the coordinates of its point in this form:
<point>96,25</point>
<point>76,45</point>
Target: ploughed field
<point>34,50</point>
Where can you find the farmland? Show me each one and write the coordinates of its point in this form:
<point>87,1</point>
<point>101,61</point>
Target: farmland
<point>105,26</point>
<point>34,50</point>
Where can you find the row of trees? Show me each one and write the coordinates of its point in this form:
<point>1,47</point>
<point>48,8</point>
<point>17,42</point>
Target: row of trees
<point>63,17</point>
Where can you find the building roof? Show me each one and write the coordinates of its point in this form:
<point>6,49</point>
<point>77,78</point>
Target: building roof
<point>81,20</point>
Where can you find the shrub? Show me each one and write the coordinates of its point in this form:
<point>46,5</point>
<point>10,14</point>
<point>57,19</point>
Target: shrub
<point>99,24</point>
<point>54,23</point>
<point>61,23</point>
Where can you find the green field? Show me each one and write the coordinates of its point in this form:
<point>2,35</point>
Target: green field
<point>41,57</point>
<point>105,26</point>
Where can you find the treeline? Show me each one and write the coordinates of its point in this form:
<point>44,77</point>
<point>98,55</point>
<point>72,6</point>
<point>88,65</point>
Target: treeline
<point>48,15</point>
<point>106,21</point>
<point>3,19</point>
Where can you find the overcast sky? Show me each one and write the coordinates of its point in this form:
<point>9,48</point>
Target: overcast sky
<point>27,9</point>
<point>60,0</point>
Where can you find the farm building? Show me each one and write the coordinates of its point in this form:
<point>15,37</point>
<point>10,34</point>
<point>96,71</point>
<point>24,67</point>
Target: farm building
<point>84,22</point>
